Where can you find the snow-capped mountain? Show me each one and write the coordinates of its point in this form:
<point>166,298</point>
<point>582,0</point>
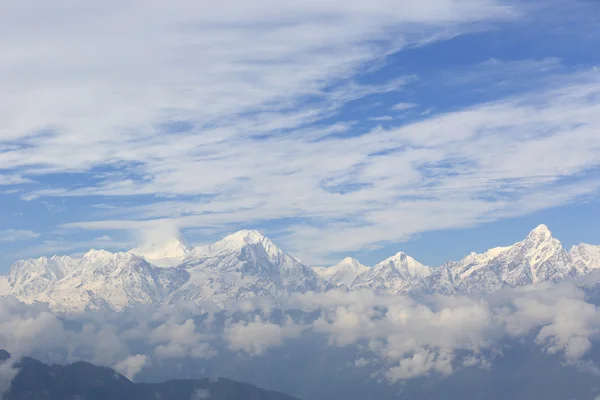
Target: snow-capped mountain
<point>397,274</point>
<point>538,258</point>
<point>98,280</point>
<point>245,265</point>
<point>586,257</point>
<point>240,266</point>
<point>168,254</point>
<point>343,273</point>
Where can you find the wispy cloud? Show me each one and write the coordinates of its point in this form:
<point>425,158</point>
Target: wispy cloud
<point>17,235</point>
<point>456,169</point>
<point>220,114</point>
<point>403,106</point>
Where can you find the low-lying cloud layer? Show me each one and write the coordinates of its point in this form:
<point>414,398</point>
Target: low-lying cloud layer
<point>392,338</point>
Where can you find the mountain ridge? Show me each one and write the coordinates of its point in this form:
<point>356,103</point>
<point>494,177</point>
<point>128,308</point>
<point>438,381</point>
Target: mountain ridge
<point>247,265</point>
<point>82,380</point>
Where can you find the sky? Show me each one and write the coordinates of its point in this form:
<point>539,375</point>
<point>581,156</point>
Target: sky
<point>334,127</point>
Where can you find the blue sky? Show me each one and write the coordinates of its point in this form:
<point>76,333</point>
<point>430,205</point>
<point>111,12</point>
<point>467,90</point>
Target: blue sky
<point>336,128</point>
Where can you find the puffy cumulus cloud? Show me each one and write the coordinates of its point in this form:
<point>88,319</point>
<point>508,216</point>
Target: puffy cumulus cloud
<point>103,339</point>
<point>179,340</point>
<point>421,363</point>
<point>25,329</point>
<point>419,338</point>
<point>567,320</point>
<point>257,336</point>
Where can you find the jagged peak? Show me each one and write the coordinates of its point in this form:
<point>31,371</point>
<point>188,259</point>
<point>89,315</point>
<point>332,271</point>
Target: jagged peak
<point>350,261</point>
<point>400,256</point>
<point>540,232</point>
<point>406,262</point>
<point>95,255</point>
<point>238,241</point>
<point>242,238</point>
<point>246,235</point>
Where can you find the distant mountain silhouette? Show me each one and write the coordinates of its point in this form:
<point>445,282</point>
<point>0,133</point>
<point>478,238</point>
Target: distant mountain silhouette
<point>85,381</point>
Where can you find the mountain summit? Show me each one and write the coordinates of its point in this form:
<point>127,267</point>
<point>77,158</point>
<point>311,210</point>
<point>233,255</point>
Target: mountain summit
<point>245,265</point>
<point>166,254</point>
<point>248,265</point>
<point>343,273</point>
<point>397,274</point>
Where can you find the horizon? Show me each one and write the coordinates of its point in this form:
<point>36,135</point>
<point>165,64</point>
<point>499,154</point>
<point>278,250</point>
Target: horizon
<point>181,240</point>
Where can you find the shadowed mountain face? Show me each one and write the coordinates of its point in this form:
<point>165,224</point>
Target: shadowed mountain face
<point>84,381</point>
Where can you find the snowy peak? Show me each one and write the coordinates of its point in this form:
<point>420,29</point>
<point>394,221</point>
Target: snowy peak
<point>245,236</point>
<point>541,231</point>
<point>94,256</point>
<point>343,273</point>
<point>99,279</point>
<point>246,265</point>
<point>241,239</point>
<point>397,274</point>
<point>166,254</point>
<point>586,257</point>
<point>245,244</point>
<point>538,258</point>
<point>539,236</point>
<point>405,265</point>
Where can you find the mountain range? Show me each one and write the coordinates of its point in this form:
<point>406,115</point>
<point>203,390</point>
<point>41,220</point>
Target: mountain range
<point>247,265</point>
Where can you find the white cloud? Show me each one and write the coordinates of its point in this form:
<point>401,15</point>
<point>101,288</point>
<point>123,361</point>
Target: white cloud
<point>185,90</point>
<point>395,337</point>
<point>403,106</point>
<point>382,118</point>
<point>7,373</point>
<point>256,337</point>
<point>180,340</point>
<point>13,179</point>
<point>16,235</point>
<point>491,161</point>
<point>103,238</point>
<point>132,365</point>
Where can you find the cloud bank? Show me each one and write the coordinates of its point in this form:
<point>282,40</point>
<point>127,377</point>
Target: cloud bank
<point>391,338</point>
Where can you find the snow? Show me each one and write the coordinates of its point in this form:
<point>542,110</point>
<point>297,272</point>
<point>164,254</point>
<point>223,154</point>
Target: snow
<point>397,274</point>
<point>5,288</point>
<point>586,256</point>
<point>168,254</point>
<point>342,274</point>
<point>248,265</point>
